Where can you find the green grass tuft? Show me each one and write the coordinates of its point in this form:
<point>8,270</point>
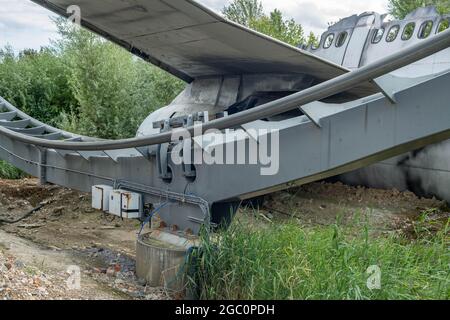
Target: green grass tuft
<point>290,262</point>
<point>10,172</point>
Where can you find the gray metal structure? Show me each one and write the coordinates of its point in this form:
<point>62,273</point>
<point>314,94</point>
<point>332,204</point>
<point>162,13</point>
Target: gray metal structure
<point>330,121</point>
<point>425,171</point>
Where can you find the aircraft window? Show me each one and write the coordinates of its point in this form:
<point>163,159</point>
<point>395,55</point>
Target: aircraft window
<point>426,29</point>
<point>328,41</point>
<point>378,35</point>
<point>408,31</point>
<point>443,25</point>
<point>393,33</point>
<point>342,37</point>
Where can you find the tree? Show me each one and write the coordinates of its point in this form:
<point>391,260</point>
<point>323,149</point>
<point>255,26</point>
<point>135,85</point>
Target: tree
<point>313,40</point>
<point>244,12</point>
<point>401,8</point>
<point>250,13</point>
<point>35,81</point>
<point>115,91</point>
<point>83,84</point>
<point>275,26</point>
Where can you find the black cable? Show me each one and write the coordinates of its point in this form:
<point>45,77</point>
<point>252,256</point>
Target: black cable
<point>29,213</point>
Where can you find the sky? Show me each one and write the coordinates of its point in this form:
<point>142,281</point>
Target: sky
<point>24,24</point>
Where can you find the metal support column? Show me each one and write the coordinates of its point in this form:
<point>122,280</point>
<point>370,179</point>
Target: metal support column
<point>42,166</point>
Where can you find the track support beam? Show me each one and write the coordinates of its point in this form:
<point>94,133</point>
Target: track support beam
<point>42,166</point>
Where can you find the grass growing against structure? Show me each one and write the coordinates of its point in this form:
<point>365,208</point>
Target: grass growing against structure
<point>10,172</point>
<point>288,261</point>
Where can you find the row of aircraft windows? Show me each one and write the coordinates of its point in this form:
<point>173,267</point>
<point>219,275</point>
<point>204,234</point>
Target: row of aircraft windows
<point>424,32</point>
<point>408,31</point>
<point>341,38</point>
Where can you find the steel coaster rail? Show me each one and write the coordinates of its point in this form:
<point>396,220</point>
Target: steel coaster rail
<point>321,91</point>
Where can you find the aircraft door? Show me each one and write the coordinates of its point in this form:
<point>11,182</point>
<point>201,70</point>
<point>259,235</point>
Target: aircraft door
<point>358,41</point>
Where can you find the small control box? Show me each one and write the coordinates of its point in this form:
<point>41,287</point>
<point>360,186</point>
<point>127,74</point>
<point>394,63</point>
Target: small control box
<point>100,197</point>
<point>125,204</point>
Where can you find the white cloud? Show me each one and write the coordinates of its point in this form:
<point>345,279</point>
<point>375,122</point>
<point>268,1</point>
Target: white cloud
<point>24,24</point>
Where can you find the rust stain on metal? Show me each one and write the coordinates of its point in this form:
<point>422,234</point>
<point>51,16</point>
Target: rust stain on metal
<point>128,198</point>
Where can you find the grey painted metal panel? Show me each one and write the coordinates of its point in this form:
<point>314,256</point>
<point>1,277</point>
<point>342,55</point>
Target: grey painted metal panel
<point>365,129</point>
<point>8,116</point>
<point>345,137</point>
<point>15,124</point>
<point>32,131</point>
<point>293,101</point>
<point>49,136</point>
<point>191,41</point>
<point>317,110</point>
<point>124,153</point>
<point>355,135</point>
<point>367,51</point>
<point>358,41</point>
<point>64,153</point>
<point>87,155</point>
<point>419,171</point>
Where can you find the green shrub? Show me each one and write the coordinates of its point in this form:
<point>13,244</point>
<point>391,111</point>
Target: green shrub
<point>36,82</point>
<point>7,171</point>
<point>114,90</point>
<point>85,84</point>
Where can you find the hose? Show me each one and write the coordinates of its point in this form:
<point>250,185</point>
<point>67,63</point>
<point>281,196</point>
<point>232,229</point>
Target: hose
<point>26,215</point>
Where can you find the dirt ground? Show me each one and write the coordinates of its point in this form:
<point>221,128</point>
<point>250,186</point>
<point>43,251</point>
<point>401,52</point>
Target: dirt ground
<point>385,211</point>
<point>38,252</point>
<point>66,232</point>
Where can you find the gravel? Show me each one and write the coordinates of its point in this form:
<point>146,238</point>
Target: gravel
<point>21,282</point>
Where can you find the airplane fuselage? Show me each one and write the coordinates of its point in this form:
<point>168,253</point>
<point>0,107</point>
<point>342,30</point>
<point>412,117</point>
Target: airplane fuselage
<point>359,40</point>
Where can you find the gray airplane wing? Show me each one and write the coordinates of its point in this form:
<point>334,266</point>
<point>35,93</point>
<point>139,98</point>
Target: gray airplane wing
<point>191,41</point>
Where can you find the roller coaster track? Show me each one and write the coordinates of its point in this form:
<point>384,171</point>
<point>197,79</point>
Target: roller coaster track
<point>80,162</point>
<point>319,92</point>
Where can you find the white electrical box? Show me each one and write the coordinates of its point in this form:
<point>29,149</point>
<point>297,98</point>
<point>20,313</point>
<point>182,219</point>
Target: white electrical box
<point>125,204</point>
<point>100,197</point>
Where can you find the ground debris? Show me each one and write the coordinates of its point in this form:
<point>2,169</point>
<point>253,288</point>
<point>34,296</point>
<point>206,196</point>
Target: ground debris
<point>385,211</point>
<point>67,226</point>
<point>21,282</point>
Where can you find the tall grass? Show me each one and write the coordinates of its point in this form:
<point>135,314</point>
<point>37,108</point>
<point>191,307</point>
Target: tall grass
<point>8,171</point>
<point>290,262</point>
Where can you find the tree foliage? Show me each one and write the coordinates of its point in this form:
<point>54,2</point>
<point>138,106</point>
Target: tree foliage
<point>277,27</point>
<point>250,13</point>
<point>244,11</point>
<point>401,8</point>
<point>85,84</point>
<point>313,40</point>
<point>36,82</point>
<point>114,89</point>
